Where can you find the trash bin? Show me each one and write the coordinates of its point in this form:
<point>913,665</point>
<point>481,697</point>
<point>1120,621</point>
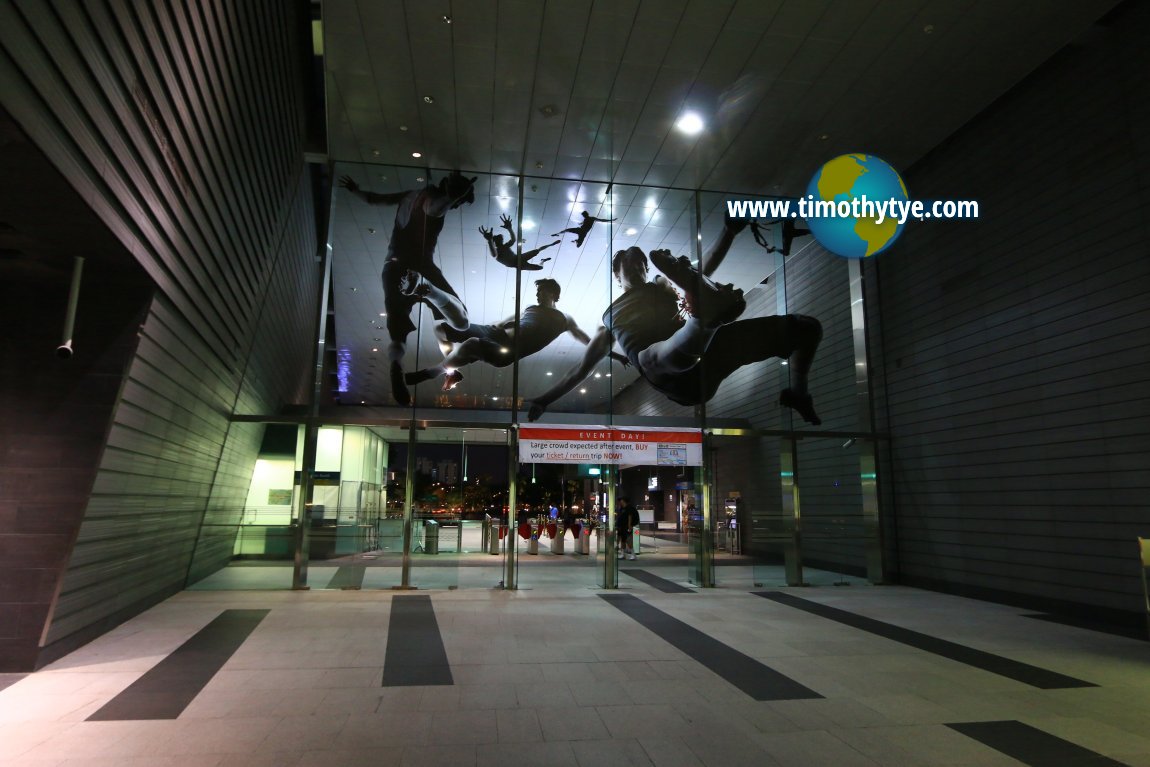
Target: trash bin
<point>430,536</point>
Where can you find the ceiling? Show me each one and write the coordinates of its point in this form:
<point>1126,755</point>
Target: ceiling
<point>578,93</point>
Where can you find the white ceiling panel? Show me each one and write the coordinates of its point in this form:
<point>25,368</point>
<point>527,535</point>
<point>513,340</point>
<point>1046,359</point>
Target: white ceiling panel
<point>588,90</point>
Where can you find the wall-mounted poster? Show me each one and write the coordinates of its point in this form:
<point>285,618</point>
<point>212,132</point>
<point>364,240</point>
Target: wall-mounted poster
<point>279,497</point>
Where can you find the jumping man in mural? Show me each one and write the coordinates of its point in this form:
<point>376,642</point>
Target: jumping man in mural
<point>504,252</point>
<point>584,228</point>
<point>539,325</point>
<point>688,359</point>
<point>410,274</point>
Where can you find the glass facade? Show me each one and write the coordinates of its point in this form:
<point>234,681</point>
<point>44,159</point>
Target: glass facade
<point>468,307</point>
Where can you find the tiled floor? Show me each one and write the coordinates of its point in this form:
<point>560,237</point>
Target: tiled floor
<point>555,675</point>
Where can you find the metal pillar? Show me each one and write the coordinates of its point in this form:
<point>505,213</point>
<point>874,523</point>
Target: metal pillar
<point>707,533</point>
<point>511,574</point>
<point>610,551</point>
<point>868,468</point>
<point>792,511</point>
<point>408,502</point>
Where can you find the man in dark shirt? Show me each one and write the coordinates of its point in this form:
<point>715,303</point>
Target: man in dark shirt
<point>626,520</point>
<point>687,359</point>
<point>410,274</point>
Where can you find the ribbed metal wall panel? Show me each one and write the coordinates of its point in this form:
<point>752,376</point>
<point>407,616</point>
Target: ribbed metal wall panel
<point>181,124</point>
<point>1016,348</point>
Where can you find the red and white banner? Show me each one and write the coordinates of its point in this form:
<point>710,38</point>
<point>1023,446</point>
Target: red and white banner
<point>611,445</point>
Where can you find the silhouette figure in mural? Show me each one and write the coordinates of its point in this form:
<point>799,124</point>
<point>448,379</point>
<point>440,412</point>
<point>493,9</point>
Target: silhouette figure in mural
<point>410,274</point>
<point>504,252</point>
<point>790,232</point>
<point>539,325</point>
<point>584,228</point>
<point>687,359</point>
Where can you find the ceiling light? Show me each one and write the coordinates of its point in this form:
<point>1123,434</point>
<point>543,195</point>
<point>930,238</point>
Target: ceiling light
<point>549,372</point>
<point>824,136</point>
<point>582,391</point>
<point>631,231</point>
<point>494,396</point>
<point>446,19</point>
<point>375,348</point>
<point>383,314</point>
<point>403,127</point>
<point>370,230</point>
<point>608,375</point>
<point>419,179</point>
<point>598,375</point>
<point>690,123</point>
<point>417,155</point>
<point>428,99</point>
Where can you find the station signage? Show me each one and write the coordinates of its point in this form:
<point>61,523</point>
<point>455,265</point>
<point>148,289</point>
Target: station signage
<point>610,445</point>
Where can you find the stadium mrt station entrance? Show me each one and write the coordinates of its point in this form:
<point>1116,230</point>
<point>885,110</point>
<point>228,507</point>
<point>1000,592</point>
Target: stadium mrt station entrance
<point>477,506</point>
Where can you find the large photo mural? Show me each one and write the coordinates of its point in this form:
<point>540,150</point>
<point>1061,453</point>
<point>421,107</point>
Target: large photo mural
<point>587,290</point>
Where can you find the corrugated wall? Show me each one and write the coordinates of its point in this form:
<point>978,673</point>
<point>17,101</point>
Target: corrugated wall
<point>181,124</point>
<point>1017,348</point>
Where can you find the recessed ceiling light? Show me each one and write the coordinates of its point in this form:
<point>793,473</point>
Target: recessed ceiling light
<point>538,165</point>
<point>929,29</point>
<point>403,127</point>
<point>582,391</point>
<point>383,314</point>
<point>631,231</point>
<point>446,19</point>
<point>549,372</point>
<point>370,230</point>
<point>690,123</point>
<point>784,362</point>
<point>419,179</point>
<point>375,348</point>
<point>428,99</point>
<point>824,136</point>
<point>598,375</point>
<point>608,375</point>
<point>353,290</point>
<point>494,396</point>
<point>417,155</point>
<point>375,152</point>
